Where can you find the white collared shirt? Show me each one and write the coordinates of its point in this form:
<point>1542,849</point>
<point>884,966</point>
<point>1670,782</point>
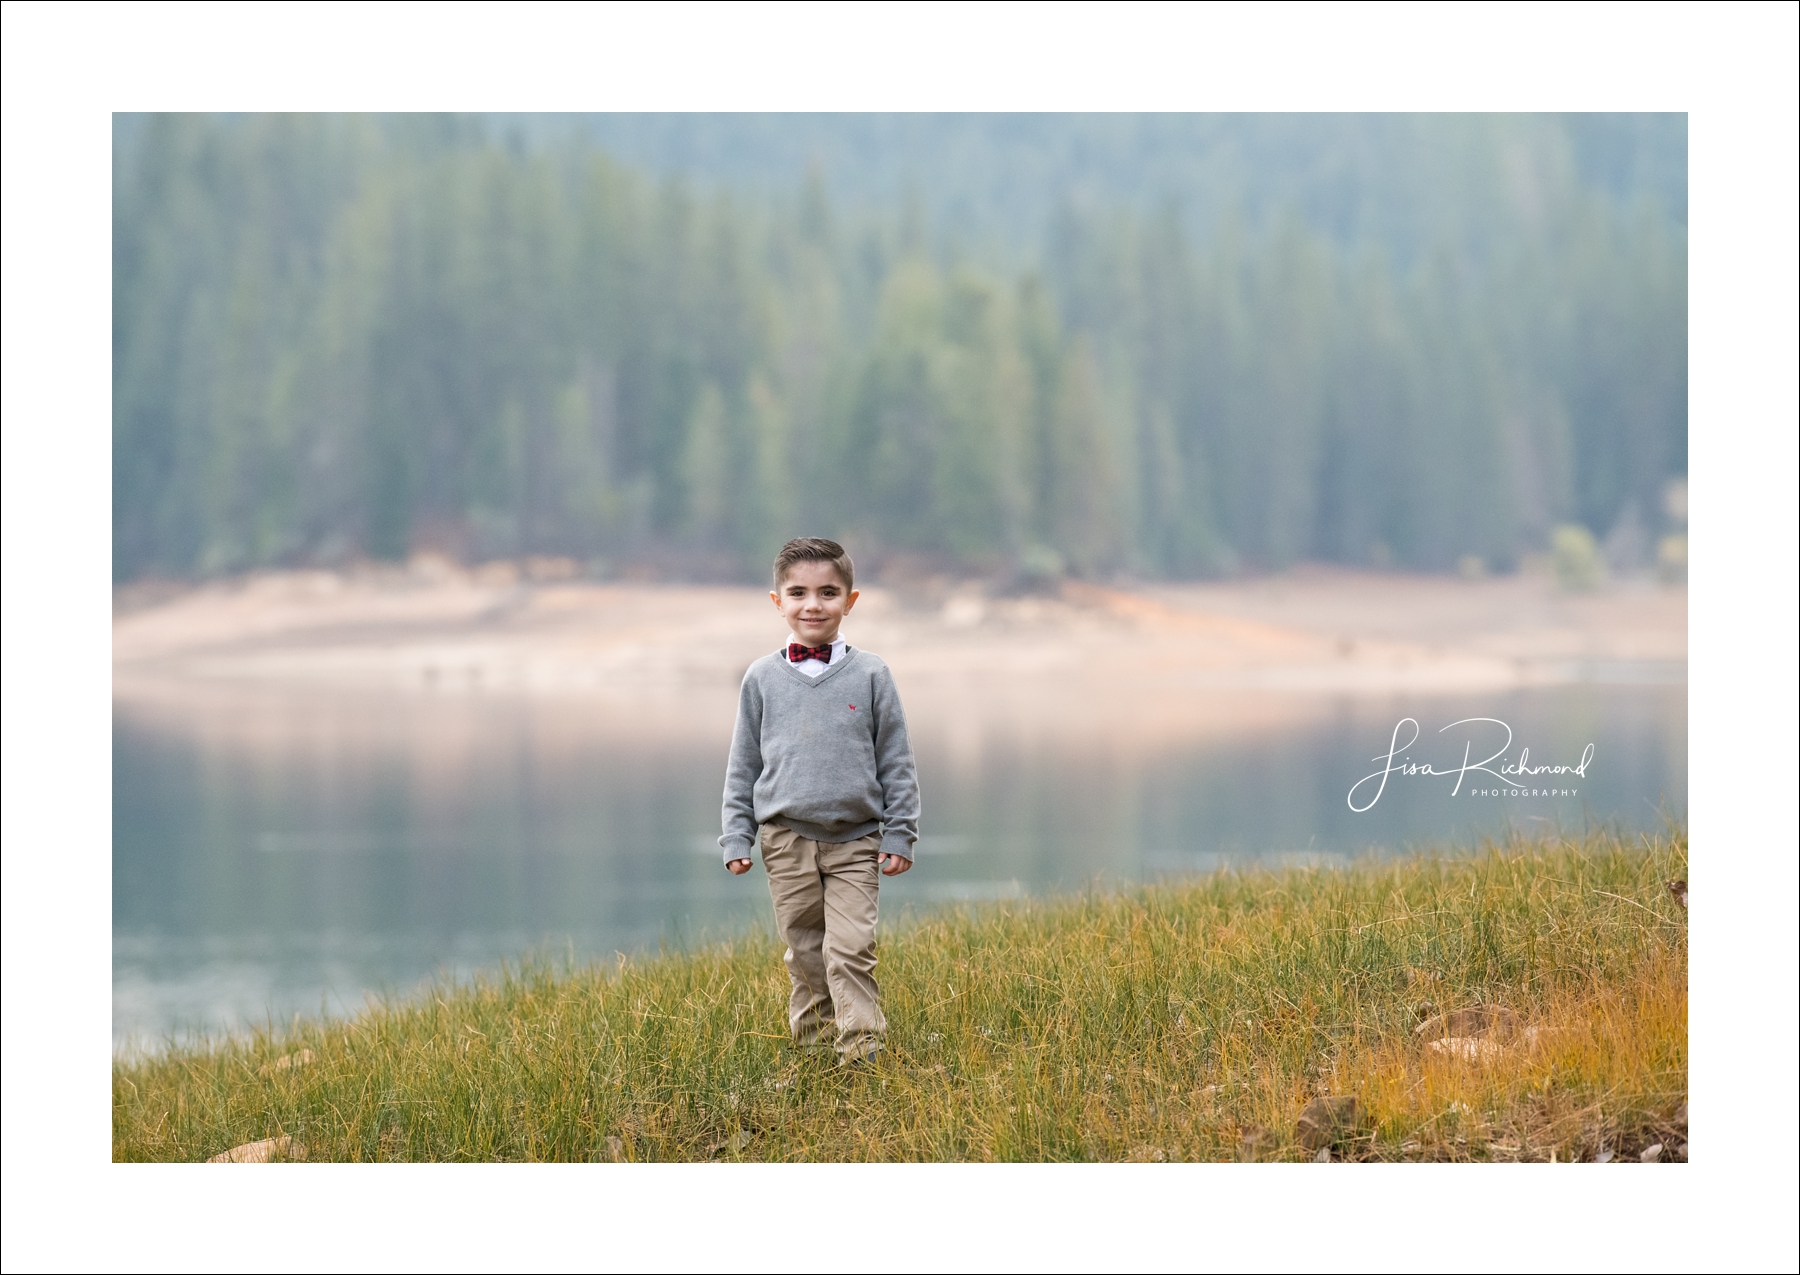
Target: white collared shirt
<point>812,668</point>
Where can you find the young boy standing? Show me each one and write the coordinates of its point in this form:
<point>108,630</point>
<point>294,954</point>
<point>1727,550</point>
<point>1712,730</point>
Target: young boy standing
<point>821,762</point>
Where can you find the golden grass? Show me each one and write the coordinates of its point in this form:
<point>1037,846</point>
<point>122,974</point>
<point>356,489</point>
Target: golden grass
<point>1607,1070</point>
<point>1183,1021</point>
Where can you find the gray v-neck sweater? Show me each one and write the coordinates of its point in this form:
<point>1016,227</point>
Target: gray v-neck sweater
<point>827,756</point>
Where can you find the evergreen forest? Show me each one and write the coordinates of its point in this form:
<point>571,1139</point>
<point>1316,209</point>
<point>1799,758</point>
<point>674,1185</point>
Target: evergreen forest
<point>339,338</point>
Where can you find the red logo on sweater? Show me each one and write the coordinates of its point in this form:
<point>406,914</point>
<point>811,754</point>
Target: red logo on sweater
<point>853,708</point>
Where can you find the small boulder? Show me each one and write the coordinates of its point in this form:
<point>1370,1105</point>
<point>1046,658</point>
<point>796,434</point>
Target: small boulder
<point>1652,1153</point>
<point>267,1151</point>
<point>286,1063</point>
<point>1327,1121</point>
<point>1679,890</point>
<point>1467,1048</point>
<point>1255,1141</point>
<point>1535,1036</point>
<point>739,1139</point>
<point>1488,1021</point>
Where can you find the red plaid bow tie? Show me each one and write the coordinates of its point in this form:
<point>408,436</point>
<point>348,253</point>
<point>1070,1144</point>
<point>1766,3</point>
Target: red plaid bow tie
<point>800,654</point>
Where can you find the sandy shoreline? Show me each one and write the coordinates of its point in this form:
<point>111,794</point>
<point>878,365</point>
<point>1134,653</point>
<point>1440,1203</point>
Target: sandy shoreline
<point>656,661</point>
<point>448,631</point>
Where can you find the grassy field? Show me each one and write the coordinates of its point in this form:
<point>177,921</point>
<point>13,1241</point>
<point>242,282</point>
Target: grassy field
<point>1186,1021</point>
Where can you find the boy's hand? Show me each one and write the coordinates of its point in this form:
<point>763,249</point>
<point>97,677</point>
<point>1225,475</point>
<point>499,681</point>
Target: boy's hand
<point>737,867</point>
<point>892,865</point>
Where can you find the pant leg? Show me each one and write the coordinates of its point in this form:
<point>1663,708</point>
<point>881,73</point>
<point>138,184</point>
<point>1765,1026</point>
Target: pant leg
<point>852,881</point>
<point>798,892</point>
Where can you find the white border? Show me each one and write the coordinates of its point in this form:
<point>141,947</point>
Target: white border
<point>67,67</point>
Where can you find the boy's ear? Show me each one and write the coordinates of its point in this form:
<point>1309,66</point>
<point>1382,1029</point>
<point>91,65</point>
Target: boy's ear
<point>775,597</point>
<point>850,600</point>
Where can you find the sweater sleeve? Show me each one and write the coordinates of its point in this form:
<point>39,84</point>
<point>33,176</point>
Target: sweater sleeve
<point>894,770</point>
<point>742,770</point>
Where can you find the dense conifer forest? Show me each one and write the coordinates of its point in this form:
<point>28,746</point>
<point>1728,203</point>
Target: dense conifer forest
<point>341,337</point>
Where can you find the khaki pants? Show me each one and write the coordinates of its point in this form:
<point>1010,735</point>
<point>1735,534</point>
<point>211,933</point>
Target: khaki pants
<point>824,895</point>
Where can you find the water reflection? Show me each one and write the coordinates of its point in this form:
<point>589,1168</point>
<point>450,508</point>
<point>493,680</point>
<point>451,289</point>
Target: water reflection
<point>283,854</point>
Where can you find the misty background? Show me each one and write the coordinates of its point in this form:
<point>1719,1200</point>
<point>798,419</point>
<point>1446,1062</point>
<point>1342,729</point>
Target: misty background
<point>1077,392</point>
<point>1170,347</point>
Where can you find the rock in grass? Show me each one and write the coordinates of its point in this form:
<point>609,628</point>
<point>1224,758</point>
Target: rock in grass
<point>286,1062</point>
<point>1467,1048</point>
<point>1493,1022</point>
<point>1479,1033</point>
<point>1326,1121</point>
<point>1679,890</point>
<point>739,1139</point>
<point>1254,1142</point>
<point>1651,1154</point>
<point>265,1152</point>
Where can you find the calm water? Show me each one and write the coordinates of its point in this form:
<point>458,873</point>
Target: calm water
<point>269,861</point>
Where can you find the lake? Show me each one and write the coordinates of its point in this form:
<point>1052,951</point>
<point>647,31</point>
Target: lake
<point>287,854</point>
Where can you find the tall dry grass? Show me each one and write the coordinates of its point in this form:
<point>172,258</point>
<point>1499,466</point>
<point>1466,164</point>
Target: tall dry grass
<point>1184,1021</point>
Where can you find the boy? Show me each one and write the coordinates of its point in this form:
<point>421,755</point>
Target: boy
<point>820,759</point>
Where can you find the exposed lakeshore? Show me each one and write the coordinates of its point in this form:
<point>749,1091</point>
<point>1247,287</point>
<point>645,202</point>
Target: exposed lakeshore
<point>1252,652</point>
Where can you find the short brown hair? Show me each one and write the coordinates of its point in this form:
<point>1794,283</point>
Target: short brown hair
<point>814,549</point>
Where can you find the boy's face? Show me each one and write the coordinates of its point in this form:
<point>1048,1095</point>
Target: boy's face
<point>813,600</point>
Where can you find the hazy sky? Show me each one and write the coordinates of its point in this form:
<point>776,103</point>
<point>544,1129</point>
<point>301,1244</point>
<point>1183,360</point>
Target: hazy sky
<point>1382,177</point>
